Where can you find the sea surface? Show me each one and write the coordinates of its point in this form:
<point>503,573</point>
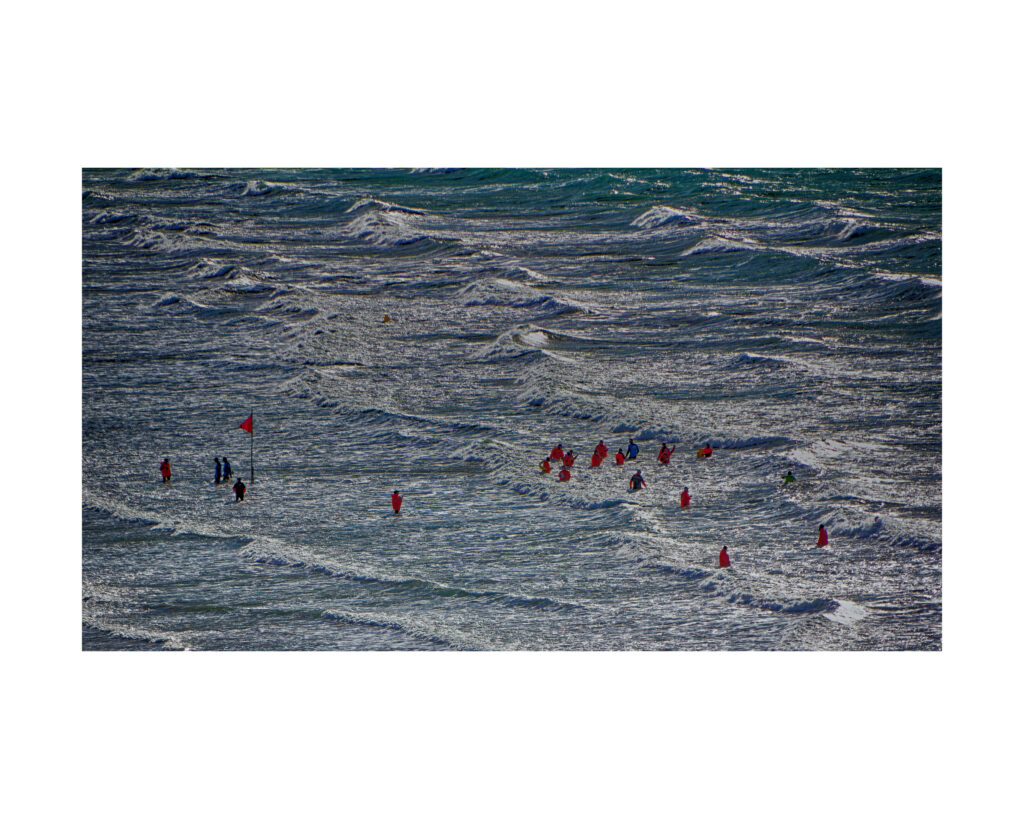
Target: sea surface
<point>437,332</point>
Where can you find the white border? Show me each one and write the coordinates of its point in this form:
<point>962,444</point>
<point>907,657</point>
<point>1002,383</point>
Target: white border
<point>535,84</point>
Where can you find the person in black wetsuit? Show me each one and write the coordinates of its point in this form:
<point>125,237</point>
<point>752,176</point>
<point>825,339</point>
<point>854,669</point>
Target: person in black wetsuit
<point>239,489</point>
<point>216,470</point>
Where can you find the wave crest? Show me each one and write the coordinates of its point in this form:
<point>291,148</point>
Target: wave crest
<point>662,215</point>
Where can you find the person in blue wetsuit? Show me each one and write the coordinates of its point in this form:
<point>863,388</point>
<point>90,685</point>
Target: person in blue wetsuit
<point>226,474</point>
<point>632,450</point>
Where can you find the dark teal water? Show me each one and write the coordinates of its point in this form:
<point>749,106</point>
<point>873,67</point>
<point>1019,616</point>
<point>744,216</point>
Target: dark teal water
<point>791,318</point>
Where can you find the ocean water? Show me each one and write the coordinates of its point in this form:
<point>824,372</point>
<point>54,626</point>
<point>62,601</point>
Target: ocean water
<point>790,318</point>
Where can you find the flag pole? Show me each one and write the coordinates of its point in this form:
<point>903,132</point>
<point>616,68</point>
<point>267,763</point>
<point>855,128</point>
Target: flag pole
<point>252,466</point>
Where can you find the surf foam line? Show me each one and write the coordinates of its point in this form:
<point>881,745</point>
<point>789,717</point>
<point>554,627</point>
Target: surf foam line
<point>305,387</point>
<point>500,292</point>
<point>277,552</point>
<point>818,605</point>
<point>119,510</point>
<point>565,403</point>
<point>404,626</point>
<point>129,633</point>
<point>172,525</point>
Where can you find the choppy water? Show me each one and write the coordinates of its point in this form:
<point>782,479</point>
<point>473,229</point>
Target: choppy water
<point>790,318</point>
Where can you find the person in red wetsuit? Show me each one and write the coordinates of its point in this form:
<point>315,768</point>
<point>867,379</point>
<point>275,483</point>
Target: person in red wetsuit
<point>620,459</point>
<point>665,454</point>
<point>396,501</point>
<point>545,466</point>
<point>556,453</point>
<point>601,450</point>
<point>723,559</point>
<point>595,459</point>
<point>705,452</point>
<point>564,474</point>
<point>569,458</point>
<point>822,535</point>
<point>684,497</point>
<point>165,470</point>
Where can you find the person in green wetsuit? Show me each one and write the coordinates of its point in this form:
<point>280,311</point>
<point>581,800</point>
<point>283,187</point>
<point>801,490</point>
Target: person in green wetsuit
<point>788,477</point>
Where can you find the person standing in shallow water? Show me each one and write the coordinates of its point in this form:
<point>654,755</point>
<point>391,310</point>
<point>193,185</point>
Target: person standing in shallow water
<point>165,470</point>
<point>216,470</point>
<point>396,501</point>
<point>239,490</point>
<point>822,535</point>
<point>632,450</point>
<point>723,559</point>
<point>684,497</point>
<point>227,474</point>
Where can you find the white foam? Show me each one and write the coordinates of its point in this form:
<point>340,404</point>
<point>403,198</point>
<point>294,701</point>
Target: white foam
<point>848,613</point>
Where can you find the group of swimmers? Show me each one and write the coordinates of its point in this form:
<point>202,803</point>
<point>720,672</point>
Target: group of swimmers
<point>221,474</point>
<point>568,458</point>
<point>636,481</point>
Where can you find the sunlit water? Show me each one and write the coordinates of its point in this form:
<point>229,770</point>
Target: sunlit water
<point>790,318</point>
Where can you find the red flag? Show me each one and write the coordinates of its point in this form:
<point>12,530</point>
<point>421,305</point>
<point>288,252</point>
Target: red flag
<point>246,425</point>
